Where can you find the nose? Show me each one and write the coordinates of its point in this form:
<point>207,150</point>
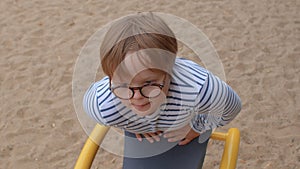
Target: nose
<point>137,94</point>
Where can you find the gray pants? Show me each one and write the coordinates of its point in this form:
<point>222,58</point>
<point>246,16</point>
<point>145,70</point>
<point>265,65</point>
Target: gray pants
<point>162,154</point>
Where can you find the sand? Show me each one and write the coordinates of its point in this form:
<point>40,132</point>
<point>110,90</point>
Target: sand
<point>257,41</point>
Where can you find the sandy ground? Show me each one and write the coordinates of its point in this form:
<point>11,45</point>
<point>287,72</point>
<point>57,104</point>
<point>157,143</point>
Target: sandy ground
<point>258,42</point>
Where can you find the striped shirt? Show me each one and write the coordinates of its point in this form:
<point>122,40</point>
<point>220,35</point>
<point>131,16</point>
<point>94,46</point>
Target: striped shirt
<point>195,97</point>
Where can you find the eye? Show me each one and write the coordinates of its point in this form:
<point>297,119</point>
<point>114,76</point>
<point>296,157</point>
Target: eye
<point>149,81</point>
<point>116,85</point>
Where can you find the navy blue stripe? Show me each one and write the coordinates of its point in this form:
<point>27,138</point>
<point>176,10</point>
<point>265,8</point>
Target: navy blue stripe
<point>118,117</point>
<point>114,120</point>
<point>163,119</point>
<point>228,100</point>
<point>235,105</point>
<point>174,115</point>
<point>191,79</point>
<point>103,92</point>
<point>174,119</point>
<point>181,85</point>
<point>103,100</point>
<point>137,126</point>
<point>129,118</point>
<point>173,110</point>
<point>100,87</point>
<point>182,92</point>
<point>125,114</point>
<point>220,102</point>
<point>96,112</point>
<point>176,104</point>
<point>210,101</point>
<point>195,70</point>
<point>120,122</point>
<point>205,93</point>
<point>181,80</point>
<point>172,124</point>
<point>90,103</point>
<point>111,107</point>
<point>142,128</point>
<point>111,114</point>
<point>181,99</point>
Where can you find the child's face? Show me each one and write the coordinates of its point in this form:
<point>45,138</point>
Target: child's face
<point>143,76</point>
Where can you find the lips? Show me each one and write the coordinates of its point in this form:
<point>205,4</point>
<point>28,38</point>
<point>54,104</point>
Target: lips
<point>140,106</point>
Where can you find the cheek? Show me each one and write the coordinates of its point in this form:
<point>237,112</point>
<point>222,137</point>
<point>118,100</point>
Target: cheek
<point>126,102</point>
<point>156,102</point>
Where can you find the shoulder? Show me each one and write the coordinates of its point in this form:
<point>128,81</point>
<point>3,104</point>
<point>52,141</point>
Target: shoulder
<point>187,80</point>
<point>101,91</point>
<point>190,67</point>
<point>102,85</point>
<point>100,103</point>
<point>190,73</point>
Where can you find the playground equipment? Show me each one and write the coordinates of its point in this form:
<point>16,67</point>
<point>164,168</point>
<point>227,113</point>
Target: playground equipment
<point>228,161</point>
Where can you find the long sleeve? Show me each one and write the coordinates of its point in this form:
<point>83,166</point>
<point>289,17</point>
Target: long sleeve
<point>91,101</point>
<point>216,105</point>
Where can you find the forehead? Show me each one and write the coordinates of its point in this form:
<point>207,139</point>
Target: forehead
<point>144,59</point>
<point>138,66</point>
<point>140,77</point>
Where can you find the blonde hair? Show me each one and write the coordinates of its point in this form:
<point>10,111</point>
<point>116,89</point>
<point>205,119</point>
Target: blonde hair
<point>133,33</point>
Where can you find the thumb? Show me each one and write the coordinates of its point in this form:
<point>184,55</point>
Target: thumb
<point>139,137</point>
<point>184,141</point>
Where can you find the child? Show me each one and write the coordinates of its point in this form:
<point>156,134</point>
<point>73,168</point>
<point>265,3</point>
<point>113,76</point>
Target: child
<point>152,95</point>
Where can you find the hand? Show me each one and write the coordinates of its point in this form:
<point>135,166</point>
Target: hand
<point>149,136</point>
<point>186,134</point>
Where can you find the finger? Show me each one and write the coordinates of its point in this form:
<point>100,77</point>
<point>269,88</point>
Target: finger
<point>159,133</point>
<point>139,137</point>
<point>155,136</point>
<point>148,137</point>
<point>184,142</point>
<point>176,138</point>
<point>170,134</point>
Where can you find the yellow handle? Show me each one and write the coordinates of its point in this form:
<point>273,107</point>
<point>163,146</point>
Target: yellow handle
<point>231,147</point>
<point>91,147</point>
<point>229,157</point>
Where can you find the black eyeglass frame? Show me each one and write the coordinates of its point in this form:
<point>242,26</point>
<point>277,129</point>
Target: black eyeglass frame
<point>137,88</point>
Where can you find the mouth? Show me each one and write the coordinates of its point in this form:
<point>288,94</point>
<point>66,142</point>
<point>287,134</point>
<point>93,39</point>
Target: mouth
<point>141,107</point>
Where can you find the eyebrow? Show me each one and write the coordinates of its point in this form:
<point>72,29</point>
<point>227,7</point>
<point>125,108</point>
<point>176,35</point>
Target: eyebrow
<point>147,78</point>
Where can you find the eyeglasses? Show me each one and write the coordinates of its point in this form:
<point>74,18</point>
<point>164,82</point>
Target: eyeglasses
<point>150,90</point>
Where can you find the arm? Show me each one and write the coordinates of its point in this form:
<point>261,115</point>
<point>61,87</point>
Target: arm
<point>90,103</point>
<point>216,105</point>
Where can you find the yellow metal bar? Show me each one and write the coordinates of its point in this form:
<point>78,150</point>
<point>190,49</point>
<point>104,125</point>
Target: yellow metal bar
<point>229,157</point>
<point>91,147</point>
<point>231,149</point>
<point>218,136</point>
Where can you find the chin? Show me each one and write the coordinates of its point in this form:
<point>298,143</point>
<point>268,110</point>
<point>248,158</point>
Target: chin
<point>144,110</point>
<point>143,113</point>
